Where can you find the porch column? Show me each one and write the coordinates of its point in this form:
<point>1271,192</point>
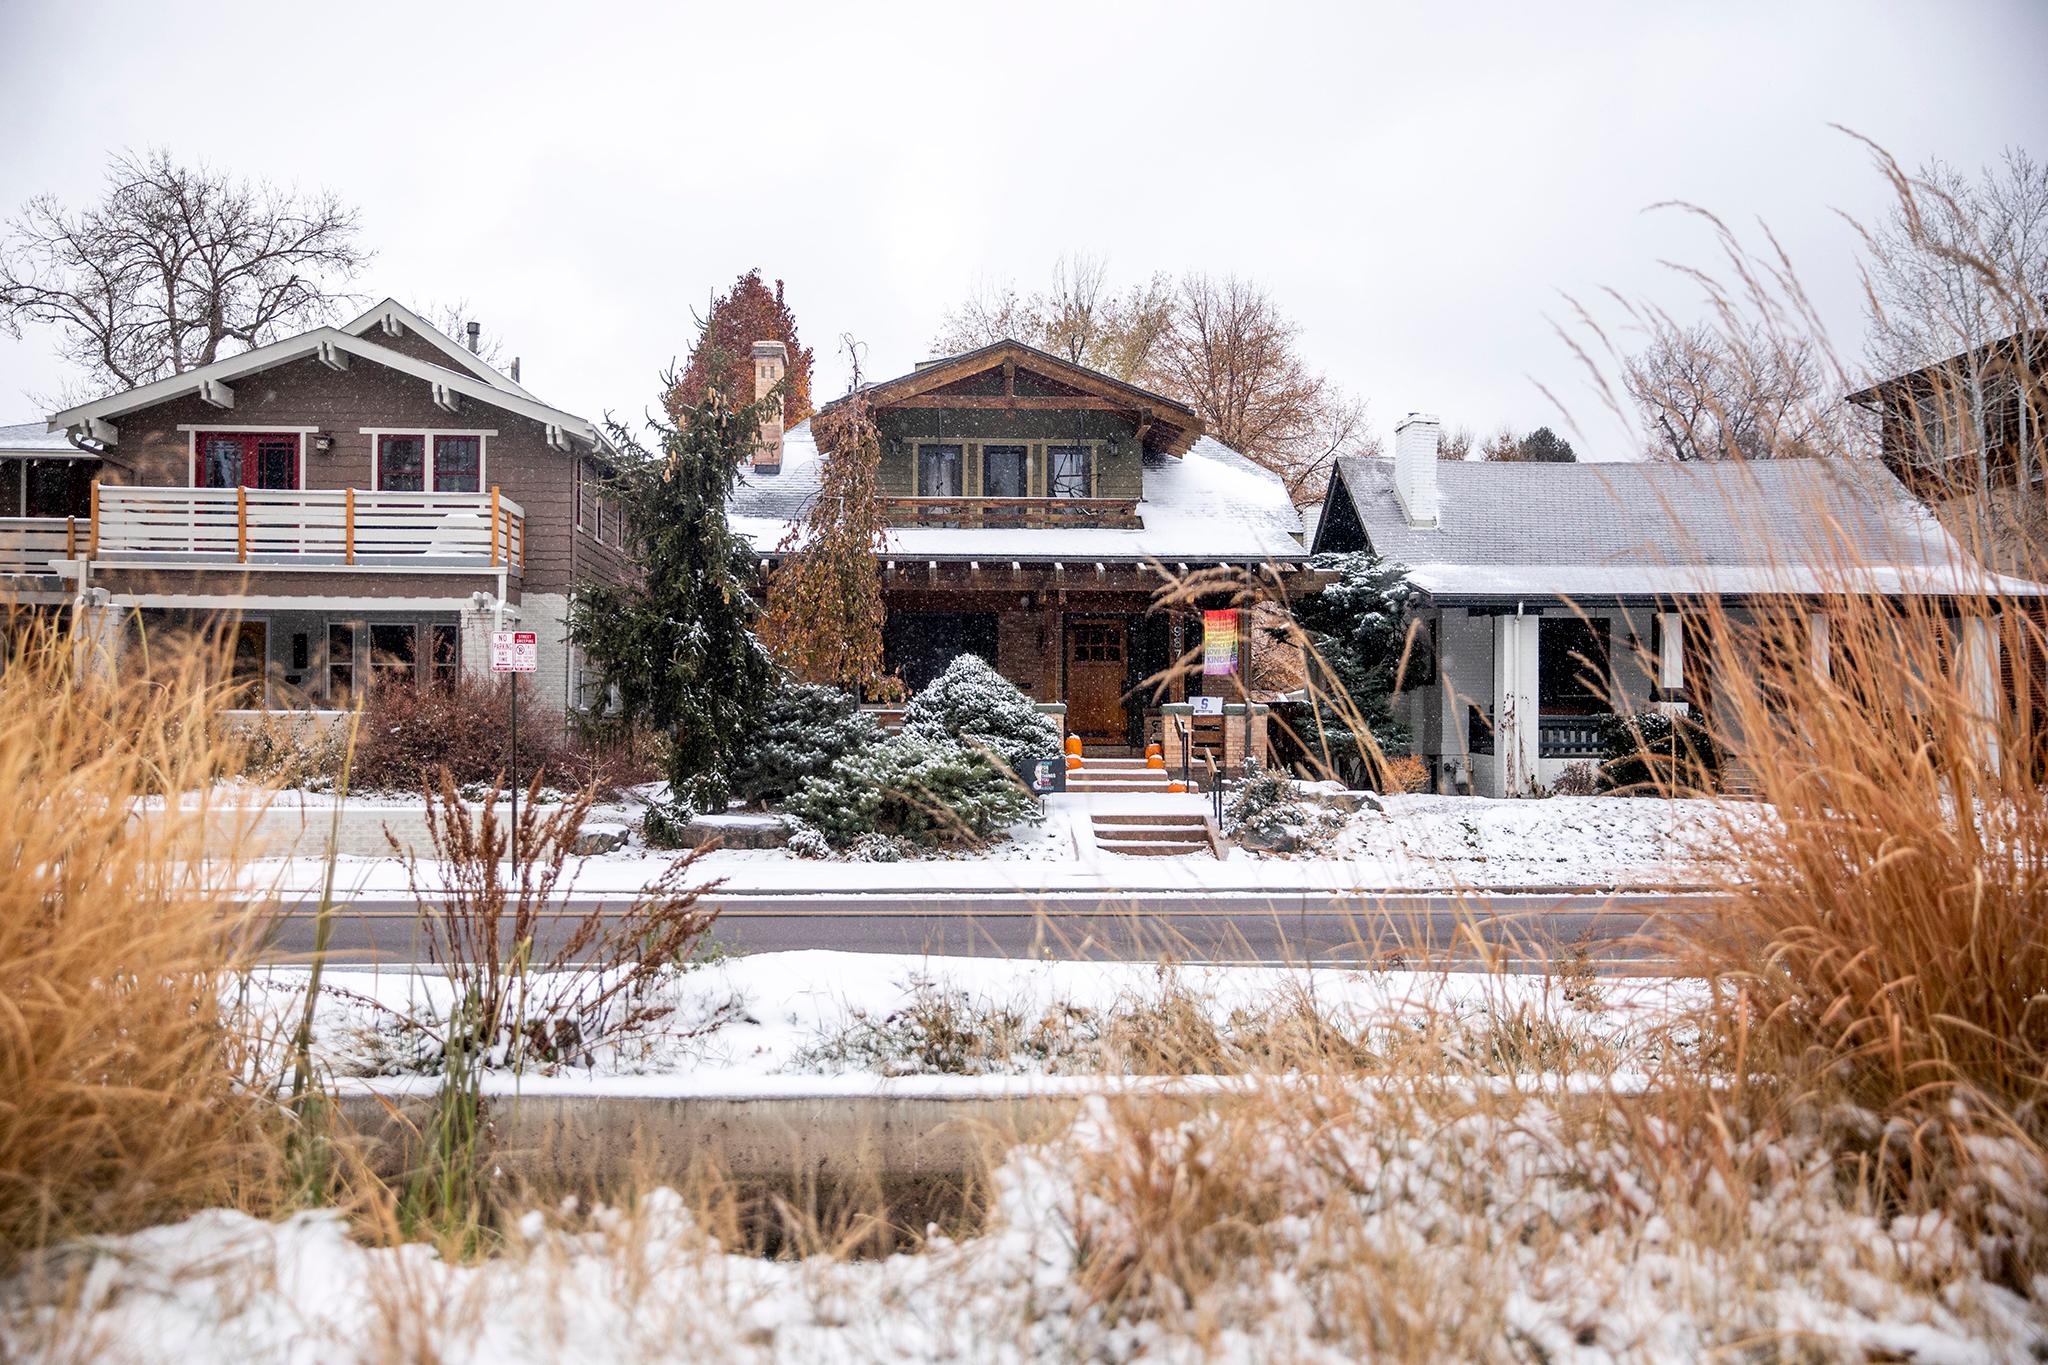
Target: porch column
<point>1515,674</point>
<point>1978,672</point>
<point>99,636</point>
<point>1819,644</point>
<point>1671,663</point>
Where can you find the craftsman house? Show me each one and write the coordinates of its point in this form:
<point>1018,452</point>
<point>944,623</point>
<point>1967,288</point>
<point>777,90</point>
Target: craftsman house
<point>1035,508</point>
<point>1554,595</point>
<point>368,501</point>
<point>1977,417</point>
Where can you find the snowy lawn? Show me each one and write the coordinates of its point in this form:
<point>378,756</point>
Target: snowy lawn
<point>1417,843</point>
<point>731,1023</point>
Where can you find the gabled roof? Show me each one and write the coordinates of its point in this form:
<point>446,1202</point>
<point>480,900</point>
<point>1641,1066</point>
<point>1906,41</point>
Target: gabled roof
<point>1212,506</point>
<point>1649,530</point>
<point>392,311</point>
<point>103,412</point>
<point>2028,346</point>
<point>1167,425</point>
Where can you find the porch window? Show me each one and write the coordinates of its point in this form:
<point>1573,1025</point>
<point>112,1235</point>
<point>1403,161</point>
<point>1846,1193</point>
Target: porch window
<point>45,488</point>
<point>1572,668</point>
<point>394,652</point>
<point>341,662</point>
<point>402,464</point>
<point>458,464</point>
<point>246,459</point>
<point>938,471</point>
<point>446,660</point>
<point>1070,471</point>
<point>1005,471</point>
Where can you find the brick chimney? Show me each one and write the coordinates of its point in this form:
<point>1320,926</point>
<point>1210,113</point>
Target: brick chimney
<point>1415,453</point>
<point>771,358</point>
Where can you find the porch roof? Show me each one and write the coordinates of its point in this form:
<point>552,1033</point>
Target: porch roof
<point>1658,530</point>
<point>1209,506</point>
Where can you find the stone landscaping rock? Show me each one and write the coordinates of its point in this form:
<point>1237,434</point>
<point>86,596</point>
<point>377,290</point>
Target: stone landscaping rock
<point>601,836</point>
<point>737,831</point>
<point>1334,795</point>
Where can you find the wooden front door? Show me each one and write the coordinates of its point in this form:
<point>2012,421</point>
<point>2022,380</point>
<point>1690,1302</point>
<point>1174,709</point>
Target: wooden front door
<point>1096,650</point>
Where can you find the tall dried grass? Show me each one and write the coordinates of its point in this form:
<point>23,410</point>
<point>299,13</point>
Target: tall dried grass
<point>125,1094</point>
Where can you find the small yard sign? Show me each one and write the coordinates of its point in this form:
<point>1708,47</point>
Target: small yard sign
<point>1219,642</point>
<point>514,651</point>
<point>1044,775</point>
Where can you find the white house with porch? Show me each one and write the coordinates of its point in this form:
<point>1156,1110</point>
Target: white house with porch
<point>1552,596</point>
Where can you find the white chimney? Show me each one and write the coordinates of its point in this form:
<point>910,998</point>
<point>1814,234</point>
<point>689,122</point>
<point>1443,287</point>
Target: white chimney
<point>1415,454</point>
<point>771,358</point>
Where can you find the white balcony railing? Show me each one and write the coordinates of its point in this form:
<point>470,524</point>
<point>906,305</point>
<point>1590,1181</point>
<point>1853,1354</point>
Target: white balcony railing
<point>35,544</point>
<point>340,526</point>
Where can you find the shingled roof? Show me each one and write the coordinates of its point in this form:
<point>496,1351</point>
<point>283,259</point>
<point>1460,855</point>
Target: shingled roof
<point>1647,530</point>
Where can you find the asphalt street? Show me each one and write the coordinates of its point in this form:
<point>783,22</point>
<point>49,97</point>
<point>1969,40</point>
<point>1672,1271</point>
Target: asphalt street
<point>1471,930</point>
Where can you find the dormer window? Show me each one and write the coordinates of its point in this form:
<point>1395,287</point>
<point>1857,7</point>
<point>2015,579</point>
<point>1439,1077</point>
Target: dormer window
<point>938,471</point>
<point>1006,471</point>
<point>1070,471</point>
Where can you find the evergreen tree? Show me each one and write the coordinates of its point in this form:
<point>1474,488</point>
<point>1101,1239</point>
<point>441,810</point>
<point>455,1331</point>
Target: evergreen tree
<point>1357,630</point>
<point>677,646</point>
<point>724,354</point>
<point>1544,446</point>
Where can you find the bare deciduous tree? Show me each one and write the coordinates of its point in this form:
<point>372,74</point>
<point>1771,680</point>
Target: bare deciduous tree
<point>1077,317</point>
<point>175,267</point>
<point>1740,391</point>
<point>1455,444</point>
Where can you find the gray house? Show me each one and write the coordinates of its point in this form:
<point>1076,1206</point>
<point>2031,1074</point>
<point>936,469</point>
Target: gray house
<point>1555,595</point>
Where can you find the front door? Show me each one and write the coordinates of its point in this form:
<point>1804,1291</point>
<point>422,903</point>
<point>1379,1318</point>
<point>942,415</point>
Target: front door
<point>249,459</point>
<point>1096,649</point>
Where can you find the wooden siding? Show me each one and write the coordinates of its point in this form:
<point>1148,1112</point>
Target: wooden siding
<point>304,393</point>
<point>1119,468</point>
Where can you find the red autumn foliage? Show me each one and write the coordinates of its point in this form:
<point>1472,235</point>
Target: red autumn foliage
<point>747,313</point>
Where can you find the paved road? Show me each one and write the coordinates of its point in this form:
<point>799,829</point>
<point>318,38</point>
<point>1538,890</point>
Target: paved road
<point>1518,931</point>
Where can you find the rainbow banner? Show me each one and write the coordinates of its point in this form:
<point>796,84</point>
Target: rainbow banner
<point>1219,643</point>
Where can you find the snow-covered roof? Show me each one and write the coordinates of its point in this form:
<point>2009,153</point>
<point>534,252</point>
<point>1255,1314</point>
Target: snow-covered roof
<point>392,309</point>
<point>1508,530</point>
<point>36,439</point>
<point>1210,506</point>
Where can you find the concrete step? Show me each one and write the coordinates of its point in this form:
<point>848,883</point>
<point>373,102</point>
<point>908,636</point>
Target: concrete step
<point>1153,834</point>
<point>1114,764</point>
<point>1112,785</point>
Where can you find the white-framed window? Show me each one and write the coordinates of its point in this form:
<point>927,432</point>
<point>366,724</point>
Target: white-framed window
<point>427,461</point>
<point>1070,471</point>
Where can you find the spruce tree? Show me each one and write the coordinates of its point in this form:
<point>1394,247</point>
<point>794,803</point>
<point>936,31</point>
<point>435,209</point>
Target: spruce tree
<point>1360,653</point>
<point>676,649</point>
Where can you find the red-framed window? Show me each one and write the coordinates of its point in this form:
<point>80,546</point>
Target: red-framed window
<point>413,462</point>
<point>245,459</point>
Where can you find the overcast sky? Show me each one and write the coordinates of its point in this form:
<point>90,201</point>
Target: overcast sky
<point>1420,193</point>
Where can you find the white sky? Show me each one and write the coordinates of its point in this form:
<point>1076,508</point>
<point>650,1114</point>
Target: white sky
<point>1419,192</point>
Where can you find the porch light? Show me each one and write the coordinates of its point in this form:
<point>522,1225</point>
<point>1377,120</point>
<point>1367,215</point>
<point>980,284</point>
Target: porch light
<point>322,442</point>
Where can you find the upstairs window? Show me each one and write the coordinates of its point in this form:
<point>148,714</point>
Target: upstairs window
<point>1005,472</point>
<point>402,464</point>
<point>416,462</point>
<point>245,459</point>
<point>1070,471</point>
<point>938,471</point>
<point>458,464</point>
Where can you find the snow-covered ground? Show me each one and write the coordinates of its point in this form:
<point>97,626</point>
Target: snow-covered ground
<point>733,1024</point>
<point>1415,843</point>
<point>1336,1235</point>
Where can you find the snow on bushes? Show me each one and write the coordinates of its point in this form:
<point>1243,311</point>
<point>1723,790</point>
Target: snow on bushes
<point>935,792</point>
<point>973,704</point>
<point>1270,812</point>
<point>805,729</point>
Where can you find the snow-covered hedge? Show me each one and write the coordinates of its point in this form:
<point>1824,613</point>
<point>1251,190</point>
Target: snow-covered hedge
<point>934,791</point>
<point>804,731</point>
<point>1269,812</point>
<point>977,706</point>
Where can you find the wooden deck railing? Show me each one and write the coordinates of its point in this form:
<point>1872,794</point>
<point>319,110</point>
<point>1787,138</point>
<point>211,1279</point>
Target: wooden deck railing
<point>1119,514</point>
<point>342,525</point>
<point>33,544</point>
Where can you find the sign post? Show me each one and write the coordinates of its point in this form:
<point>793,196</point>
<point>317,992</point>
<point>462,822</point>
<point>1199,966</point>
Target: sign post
<point>515,652</point>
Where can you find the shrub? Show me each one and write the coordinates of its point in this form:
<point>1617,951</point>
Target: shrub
<point>1578,779</point>
<point>935,792</point>
<point>1404,773</point>
<point>1267,812</point>
<point>977,706</point>
<point>1655,753</point>
<point>804,731</point>
<point>410,734</point>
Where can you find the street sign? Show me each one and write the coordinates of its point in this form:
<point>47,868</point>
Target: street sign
<point>514,651</point>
